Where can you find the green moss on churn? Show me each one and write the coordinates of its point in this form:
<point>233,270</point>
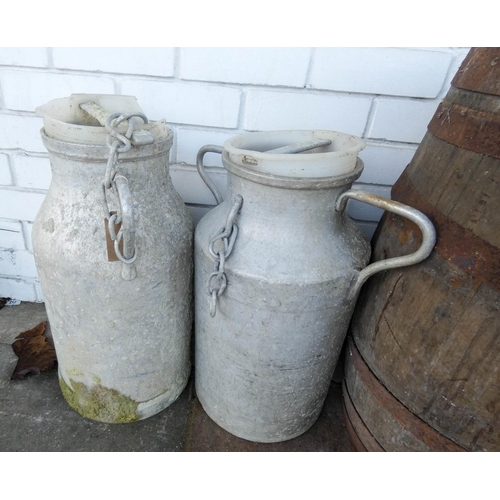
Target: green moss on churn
<point>100,403</point>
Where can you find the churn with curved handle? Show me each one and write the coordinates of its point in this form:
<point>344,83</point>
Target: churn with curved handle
<point>278,266</point>
<point>113,249</point>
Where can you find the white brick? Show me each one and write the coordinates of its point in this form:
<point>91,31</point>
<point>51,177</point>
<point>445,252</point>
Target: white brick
<point>133,60</point>
<point>39,293</point>
<point>402,120</point>
<point>23,56</point>
<point>190,141</point>
<point>5,177</point>
<point>272,110</point>
<point>388,71</point>
<point>19,205</point>
<point>194,104</point>
<point>28,230</point>
<point>21,132</point>
<point>262,66</point>
<point>17,263</point>
<point>25,90</point>
<point>364,212</point>
<point>11,235</point>
<point>188,183</point>
<point>32,171</point>
<point>384,163</point>
<point>17,289</point>
<point>198,212</point>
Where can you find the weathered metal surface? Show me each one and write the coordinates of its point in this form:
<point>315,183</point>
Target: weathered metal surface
<point>391,425</point>
<point>265,361</point>
<point>480,71</point>
<point>463,248</point>
<point>122,346</point>
<point>328,434</point>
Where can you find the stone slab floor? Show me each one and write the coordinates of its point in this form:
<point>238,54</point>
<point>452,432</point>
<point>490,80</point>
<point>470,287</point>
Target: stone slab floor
<point>34,416</point>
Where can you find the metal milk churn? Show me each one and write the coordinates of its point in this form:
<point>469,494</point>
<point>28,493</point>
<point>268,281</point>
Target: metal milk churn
<point>278,266</point>
<point>113,249</point>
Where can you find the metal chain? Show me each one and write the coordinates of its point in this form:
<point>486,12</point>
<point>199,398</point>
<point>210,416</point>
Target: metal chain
<point>118,143</point>
<point>217,281</point>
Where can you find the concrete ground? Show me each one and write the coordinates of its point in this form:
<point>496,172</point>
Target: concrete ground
<point>35,417</point>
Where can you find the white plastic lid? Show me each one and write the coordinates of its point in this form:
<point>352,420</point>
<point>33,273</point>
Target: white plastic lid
<point>64,120</point>
<point>338,158</point>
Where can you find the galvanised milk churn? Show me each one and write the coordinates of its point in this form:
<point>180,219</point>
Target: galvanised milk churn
<point>278,266</point>
<point>113,249</point>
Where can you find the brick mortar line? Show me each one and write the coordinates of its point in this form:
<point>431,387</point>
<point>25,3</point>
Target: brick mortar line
<point>20,189</point>
<point>305,89</point>
<point>24,152</point>
<point>30,280</point>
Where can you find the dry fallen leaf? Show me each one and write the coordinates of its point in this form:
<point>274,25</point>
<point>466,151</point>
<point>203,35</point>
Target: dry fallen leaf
<point>34,352</point>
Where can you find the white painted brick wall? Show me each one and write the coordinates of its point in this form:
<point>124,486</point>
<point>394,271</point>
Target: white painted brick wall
<point>259,66</point>
<point>401,120</point>
<point>388,71</point>
<point>32,171</point>
<point>20,131</point>
<point>207,95</point>
<point>277,109</point>
<point>11,235</point>
<point>25,90</point>
<point>17,263</point>
<point>140,61</point>
<point>16,56</point>
<point>5,175</point>
<point>188,103</point>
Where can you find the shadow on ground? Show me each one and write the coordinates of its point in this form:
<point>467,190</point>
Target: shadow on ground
<point>34,416</point>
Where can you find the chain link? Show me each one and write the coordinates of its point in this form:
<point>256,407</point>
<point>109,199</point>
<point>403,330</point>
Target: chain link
<point>217,281</point>
<point>118,143</point>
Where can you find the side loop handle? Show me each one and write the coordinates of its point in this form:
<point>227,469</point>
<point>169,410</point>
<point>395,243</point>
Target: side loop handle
<point>421,220</point>
<point>127,231</point>
<point>210,148</point>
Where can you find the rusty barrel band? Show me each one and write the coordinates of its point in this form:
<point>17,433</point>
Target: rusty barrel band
<point>408,420</point>
<point>467,128</point>
<point>462,248</point>
<point>480,71</point>
<point>361,437</point>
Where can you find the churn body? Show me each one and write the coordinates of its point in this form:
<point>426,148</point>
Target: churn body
<point>264,361</point>
<point>122,344</point>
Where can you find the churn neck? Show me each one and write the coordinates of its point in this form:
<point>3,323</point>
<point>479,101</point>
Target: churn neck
<point>293,183</point>
<point>270,198</point>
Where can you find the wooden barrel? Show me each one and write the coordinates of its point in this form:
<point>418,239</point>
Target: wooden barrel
<point>423,363</point>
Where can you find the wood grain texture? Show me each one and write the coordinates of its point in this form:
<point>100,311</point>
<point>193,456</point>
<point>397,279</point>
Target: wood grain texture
<point>480,71</point>
<point>462,247</point>
<point>361,437</point>
<point>389,424</point>
<point>430,333</point>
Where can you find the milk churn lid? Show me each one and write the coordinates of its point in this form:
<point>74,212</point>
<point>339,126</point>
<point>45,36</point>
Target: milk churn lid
<point>296,153</point>
<point>64,120</point>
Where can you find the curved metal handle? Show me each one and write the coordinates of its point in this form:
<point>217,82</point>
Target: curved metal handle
<point>210,148</point>
<point>424,224</point>
<point>127,230</point>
